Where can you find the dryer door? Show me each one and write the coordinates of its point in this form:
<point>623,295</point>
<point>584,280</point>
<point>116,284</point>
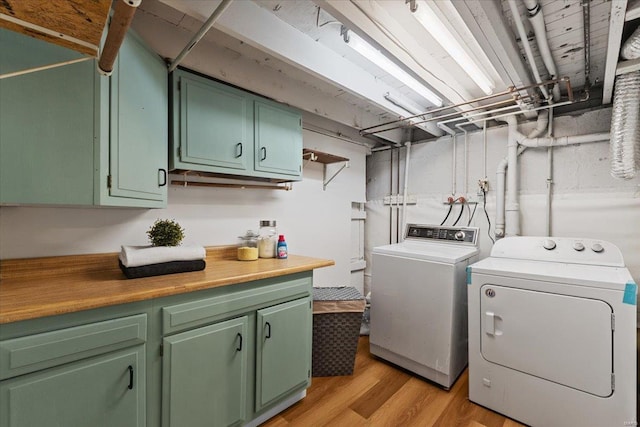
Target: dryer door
<point>560,338</point>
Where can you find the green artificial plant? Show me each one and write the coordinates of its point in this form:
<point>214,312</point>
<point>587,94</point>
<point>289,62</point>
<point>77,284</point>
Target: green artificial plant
<point>165,232</point>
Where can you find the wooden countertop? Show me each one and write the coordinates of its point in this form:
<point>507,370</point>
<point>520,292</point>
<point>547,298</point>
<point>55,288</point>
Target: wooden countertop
<point>39,287</point>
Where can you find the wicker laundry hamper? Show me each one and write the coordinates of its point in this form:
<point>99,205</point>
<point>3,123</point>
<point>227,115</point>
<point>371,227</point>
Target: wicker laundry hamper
<point>337,316</point>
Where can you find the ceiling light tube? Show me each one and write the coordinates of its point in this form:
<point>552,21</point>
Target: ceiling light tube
<point>404,104</point>
<point>430,21</point>
<point>378,58</point>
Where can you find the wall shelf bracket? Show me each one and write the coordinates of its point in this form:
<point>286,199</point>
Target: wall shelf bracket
<point>326,160</point>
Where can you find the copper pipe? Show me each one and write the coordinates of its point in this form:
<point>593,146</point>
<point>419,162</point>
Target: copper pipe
<point>123,12</point>
<point>511,90</point>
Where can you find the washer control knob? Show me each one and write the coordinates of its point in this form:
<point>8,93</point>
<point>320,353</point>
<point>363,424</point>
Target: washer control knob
<point>597,247</point>
<point>578,246</point>
<point>460,235</point>
<point>549,244</point>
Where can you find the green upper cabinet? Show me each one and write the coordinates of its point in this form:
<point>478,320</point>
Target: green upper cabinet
<point>215,125</point>
<point>229,132</point>
<point>283,350</point>
<point>69,136</point>
<point>139,131</point>
<point>278,132</point>
<point>46,124</point>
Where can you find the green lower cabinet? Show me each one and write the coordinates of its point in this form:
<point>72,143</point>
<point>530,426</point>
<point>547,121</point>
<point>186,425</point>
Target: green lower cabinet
<point>103,391</point>
<point>283,350</point>
<point>205,375</point>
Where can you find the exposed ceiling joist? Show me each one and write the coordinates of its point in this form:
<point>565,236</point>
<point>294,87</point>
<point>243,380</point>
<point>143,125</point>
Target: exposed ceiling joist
<point>167,32</point>
<point>616,22</point>
<point>255,26</point>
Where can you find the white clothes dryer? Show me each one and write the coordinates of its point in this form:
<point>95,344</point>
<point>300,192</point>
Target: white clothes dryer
<point>419,300</point>
<point>552,333</point>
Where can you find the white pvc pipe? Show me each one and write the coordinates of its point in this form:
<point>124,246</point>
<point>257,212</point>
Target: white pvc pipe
<point>564,140</point>
<point>525,43</point>
<point>536,18</point>
<point>405,192</point>
<point>508,211</point>
<point>549,176</point>
<point>453,167</point>
<point>511,205</point>
<point>466,165</point>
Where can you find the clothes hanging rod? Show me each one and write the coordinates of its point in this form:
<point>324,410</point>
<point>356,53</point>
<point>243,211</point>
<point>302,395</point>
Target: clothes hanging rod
<point>186,183</point>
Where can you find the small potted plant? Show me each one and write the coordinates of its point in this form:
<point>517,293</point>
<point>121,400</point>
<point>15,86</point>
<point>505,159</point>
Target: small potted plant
<point>165,232</point>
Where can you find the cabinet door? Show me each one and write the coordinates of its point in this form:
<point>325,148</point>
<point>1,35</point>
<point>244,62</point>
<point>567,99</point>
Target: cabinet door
<point>103,391</point>
<point>278,138</point>
<point>204,376</point>
<point>46,124</point>
<point>138,126</point>
<point>215,125</point>
<point>283,347</point>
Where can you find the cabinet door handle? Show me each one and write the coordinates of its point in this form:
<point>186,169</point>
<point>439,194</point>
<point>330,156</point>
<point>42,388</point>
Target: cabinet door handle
<point>240,344</point>
<point>268,326</point>
<point>239,145</point>
<point>130,377</point>
<point>263,150</point>
<point>164,177</point>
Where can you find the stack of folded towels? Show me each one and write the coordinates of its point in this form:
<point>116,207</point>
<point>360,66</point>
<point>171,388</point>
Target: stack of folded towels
<point>145,261</point>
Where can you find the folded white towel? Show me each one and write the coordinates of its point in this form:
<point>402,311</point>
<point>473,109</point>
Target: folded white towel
<point>135,256</point>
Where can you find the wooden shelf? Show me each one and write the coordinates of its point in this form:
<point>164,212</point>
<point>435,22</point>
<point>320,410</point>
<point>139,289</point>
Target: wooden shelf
<point>320,157</point>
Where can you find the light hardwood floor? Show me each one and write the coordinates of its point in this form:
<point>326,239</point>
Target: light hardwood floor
<point>380,394</point>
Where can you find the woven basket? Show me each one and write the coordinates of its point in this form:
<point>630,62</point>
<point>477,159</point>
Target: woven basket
<point>337,316</point>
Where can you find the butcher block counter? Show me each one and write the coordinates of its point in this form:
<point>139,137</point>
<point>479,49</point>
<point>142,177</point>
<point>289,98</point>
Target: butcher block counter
<point>39,287</point>
<point>228,345</point>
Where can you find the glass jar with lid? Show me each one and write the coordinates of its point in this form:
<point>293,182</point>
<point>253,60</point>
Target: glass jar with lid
<point>248,246</point>
<point>268,239</point>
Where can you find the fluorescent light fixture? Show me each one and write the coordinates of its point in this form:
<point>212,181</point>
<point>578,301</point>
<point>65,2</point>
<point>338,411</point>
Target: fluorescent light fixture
<point>378,58</point>
<point>405,104</point>
<point>430,21</point>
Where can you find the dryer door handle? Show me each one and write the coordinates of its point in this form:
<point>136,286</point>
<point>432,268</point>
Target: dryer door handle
<point>492,324</point>
<point>489,323</point>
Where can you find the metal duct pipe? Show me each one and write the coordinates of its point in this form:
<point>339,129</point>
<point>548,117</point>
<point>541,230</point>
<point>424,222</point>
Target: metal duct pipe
<point>536,18</point>
<point>624,149</point>
<point>631,48</point>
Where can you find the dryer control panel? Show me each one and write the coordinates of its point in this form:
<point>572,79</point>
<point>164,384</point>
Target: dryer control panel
<point>459,235</point>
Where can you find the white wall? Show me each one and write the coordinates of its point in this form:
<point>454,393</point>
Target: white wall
<point>315,222</point>
<point>587,201</point>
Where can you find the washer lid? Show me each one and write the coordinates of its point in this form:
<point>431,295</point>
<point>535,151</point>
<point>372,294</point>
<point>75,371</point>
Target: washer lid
<point>596,276</point>
<point>427,251</point>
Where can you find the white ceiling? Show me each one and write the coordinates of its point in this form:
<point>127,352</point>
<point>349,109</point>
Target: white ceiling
<point>292,50</point>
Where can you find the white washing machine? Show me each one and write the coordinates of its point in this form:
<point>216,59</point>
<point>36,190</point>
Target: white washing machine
<point>552,333</point>
<point>419,300</point>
